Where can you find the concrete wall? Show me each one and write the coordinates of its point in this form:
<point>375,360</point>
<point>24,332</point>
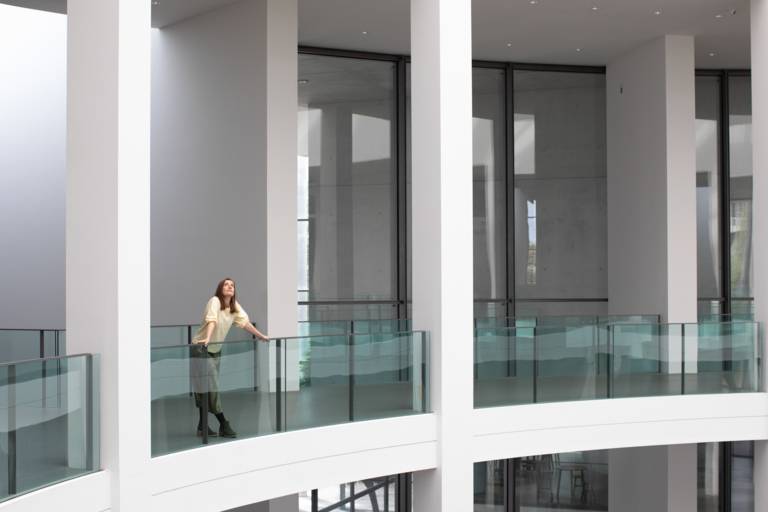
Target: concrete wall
<point>208,154</point>
<point>32,167</point>
<point>208,149</point>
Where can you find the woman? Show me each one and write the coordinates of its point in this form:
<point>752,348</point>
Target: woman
<point>220,313</point>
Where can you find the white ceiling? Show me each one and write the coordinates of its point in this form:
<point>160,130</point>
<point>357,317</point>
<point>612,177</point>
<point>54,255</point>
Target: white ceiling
<point>549,31</point>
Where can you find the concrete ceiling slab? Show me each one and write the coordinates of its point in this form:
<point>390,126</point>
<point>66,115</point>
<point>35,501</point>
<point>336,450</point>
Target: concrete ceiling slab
<point>590,32</point>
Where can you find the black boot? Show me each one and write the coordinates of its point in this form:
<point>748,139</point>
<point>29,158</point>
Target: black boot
<point>225,429</point>
<point>211,432</point>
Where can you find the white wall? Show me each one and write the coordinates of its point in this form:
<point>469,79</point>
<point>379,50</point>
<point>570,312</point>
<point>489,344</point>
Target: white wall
<point>652,180</point>
<point>208,149</point>
<point>208,163</point>
<point>32,167</point>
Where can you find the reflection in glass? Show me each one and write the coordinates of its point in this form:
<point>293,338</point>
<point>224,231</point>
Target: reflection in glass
<point>742,476</point>
<point>560,481</point>
<point>347,175</point>
<point>708,477</point>
<point>740,137</point>
<point>560,188</point>
<point>488,183</point>
<point>707,187</point>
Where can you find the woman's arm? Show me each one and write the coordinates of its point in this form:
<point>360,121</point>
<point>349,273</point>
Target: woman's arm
<point>209,327</point>
<point>249,327</point>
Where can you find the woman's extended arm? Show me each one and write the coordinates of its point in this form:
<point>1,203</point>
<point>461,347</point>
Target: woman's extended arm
<point>209,327</point>
<point>249,327</point>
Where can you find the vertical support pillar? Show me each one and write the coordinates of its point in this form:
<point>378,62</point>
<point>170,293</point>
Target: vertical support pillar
<point>279,196</point>
<point>107,226</point>
<point>759,22</point>
<point>279,23</point>
<point>659,478</point>
<point>652,180</point>
<point>441,49</point>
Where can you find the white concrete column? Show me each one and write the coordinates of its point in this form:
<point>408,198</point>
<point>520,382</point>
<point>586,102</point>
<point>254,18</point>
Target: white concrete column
<point>279,196</point>
<point>652,180</point>
<point>441,81</point>
<point>107,226</point>
<point>279,22</point>
<point>759,16</point>
<point>658,478</point>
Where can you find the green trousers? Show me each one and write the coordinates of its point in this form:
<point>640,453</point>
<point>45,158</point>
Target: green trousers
<point>205,378</point>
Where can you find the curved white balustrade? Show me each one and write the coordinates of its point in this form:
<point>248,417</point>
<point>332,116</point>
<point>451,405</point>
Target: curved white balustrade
<point>252,470</point>
<point>89,493</point>
<point>517,431</point>
<point>232,474</point>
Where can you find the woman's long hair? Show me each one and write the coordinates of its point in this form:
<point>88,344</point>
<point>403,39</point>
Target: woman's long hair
<point>220,294</point>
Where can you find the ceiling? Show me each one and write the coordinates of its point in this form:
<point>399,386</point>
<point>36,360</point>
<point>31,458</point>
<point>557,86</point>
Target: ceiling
<point>546,31</point>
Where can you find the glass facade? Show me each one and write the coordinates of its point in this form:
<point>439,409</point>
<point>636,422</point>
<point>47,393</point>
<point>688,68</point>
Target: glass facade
<point>724,193</point>
<point>580,481</point>
<point>726,477</point>
<point>560,481</point>
<point>740,169</point>
<point>347,204</point>
<point>489,184</point>
<point>708,193</point>
<point>539,190</point>
<point>560,200</point>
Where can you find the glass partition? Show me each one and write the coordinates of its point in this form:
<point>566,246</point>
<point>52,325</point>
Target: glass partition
<point>549,363</point>
<point>250,388</point>
<point>740,183</point>
<point>560,201</point>
<point>20,345</point>
<point>347,179</point>
<point>708,187</point>
<point>47,423</point>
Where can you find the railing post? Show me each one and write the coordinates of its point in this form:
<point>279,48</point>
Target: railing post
<point>351,377</point>
<point>279,385</point>
<point>191,362</point>
<point>11,429</point>
<point>657,327</point>
<point>89,416</point>
<point>43,384</point>
<point>682,359</point>
<point>205,396</point>
<point>255,363</point>
<point>609,350</point>
<point>535,367</point>
<point>424,377</point>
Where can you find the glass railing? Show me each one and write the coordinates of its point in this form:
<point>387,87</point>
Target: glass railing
<point>47,423</point>
<point>285,384</point>
<point>526,365</point>
<point>24,344</point>
<point>563,320</point>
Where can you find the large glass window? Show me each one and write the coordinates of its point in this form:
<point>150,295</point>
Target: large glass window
<point>708,193</point>
<point>489,185</point>
<point>740,139</point>
<point>726,477</point>
<point>560,481</point>
<point>560,197</point>
<point>347,165</point>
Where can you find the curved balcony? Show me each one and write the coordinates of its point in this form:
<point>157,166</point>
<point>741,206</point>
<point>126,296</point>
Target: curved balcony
<point>528,365</point>
<point>47,429</point>
<point>284,384</point>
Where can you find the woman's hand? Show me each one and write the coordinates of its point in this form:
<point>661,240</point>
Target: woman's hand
<point>203,342</point>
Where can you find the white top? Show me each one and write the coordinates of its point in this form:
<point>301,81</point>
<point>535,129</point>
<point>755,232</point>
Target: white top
<point>223,319</point>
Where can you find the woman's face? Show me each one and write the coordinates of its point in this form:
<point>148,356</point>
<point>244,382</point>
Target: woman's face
<point>228,289</point>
